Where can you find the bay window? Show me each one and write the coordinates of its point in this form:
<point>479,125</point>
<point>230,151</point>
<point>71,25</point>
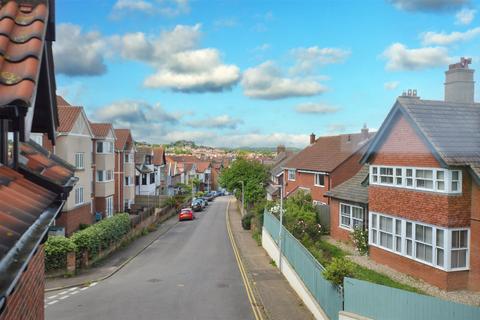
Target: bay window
<point>104,147</point>
<point>442,248</point>
<point>429,179</point>
<point>104,175</point>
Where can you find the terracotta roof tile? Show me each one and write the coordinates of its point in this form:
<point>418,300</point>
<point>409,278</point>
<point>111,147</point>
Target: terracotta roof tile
<point>158,156</point>
<point>62,102</point>
<point>101,130</point>
<point>123,136</point>
<point>328,152</point>
<point>22,33</point>
<point>67,117</point>
<point>202,166</point>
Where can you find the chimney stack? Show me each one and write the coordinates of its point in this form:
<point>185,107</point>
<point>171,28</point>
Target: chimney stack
<point>364,132</point>
<point>281,148</point>
<point>459,84</point>
<point>312,138</point>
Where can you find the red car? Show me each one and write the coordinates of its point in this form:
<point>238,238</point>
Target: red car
<point>186,214</point>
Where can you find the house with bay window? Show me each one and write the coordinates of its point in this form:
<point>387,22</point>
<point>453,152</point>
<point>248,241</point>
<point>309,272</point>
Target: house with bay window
<point>145,172</point>
<point>74,145</point>
<point>103,158</point>
<point>325,163</point>
<point>424,185</point>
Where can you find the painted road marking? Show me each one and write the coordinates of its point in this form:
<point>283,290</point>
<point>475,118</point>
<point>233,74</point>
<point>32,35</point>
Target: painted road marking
<point>63,292</point>
<point>64,297</point>
<point>93,284</point>
<point>52,302</point>
<point>74,292</point>
<point>52,297</point>
<point>84,288</point>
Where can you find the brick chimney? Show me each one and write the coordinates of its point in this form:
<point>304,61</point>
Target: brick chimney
<point>280,148</point>
<point>312,138</point>
<point>459,84</point>
<point>364,132</point>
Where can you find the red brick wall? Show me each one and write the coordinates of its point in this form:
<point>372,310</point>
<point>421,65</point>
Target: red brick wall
<point>347,169</point>
<point>307,180</point>
<point>27,300</point>
<point>72,219</point>
<point>474,280</point>
<point>336,232</point>
<point>101,205</point>
<point>444,280</point>
<point>118,198</point>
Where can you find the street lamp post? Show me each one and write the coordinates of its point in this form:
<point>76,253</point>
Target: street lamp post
<point>243,197</point>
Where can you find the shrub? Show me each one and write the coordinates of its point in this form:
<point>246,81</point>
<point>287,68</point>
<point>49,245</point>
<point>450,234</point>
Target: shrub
<point>338,269</point>
<point>360,240</point>
<point>247,221</point>
<point>102,234</point>
<point>56,250</point>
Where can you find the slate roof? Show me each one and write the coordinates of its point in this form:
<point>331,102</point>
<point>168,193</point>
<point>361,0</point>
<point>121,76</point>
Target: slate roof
<point>328,152</point>
<point>452,130</point>
<point>354,189</point>
<point>101,130</point>
<point>23,26</point>
<point>280,160</point>
<point>122,136</point>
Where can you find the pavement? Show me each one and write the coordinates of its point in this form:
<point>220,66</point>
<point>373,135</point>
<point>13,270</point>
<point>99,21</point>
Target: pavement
<point>273,292</point>
<point>188,272</point>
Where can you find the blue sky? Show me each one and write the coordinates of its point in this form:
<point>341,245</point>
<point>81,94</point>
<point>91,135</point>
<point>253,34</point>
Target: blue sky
<point>255,73</point>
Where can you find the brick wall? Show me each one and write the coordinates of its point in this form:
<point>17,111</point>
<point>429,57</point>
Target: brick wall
<point>72,219</point>
<point>118,198</point>
<point>347,169</point>
<point>101,205</point>
<point>27,300</point>
<point>474,280</point>
<point>306,180</point>
<point>336,232</point>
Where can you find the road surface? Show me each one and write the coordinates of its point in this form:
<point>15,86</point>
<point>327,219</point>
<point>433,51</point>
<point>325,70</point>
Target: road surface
<point>188,273</point>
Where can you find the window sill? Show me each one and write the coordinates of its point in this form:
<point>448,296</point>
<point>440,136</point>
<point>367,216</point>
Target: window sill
<point>346,228</point>
<point>320,186</point>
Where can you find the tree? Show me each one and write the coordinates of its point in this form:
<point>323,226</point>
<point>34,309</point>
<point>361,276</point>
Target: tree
<point>252,173</point>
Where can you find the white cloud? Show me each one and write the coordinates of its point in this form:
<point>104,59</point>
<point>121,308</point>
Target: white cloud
<point>169,8</point>
<point>391,85</point>
<point>307,59</point>
<point>218,122</point>
<point>428,5</point>
<point>443,39</point>
<point>266,81</point>
<point>465,16</point>
<point>77,53</point>
<point>399,57</point>
<point>316,108</point>
<point>225,23</point>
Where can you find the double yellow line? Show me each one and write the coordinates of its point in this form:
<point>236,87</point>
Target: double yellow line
<point>251,297</point>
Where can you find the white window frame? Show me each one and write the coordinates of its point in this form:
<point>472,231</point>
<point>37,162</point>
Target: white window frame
<point>105,174</point>
<point>80,160</point>
<point>446,246</point>
<point>79,199</point>
<point>109,206</point>
<point>317,180</point>
<point>128,181</point>
<point>105,150</point>
<point>291,174</point>
<point>350,207</point>
<point>406,177</point>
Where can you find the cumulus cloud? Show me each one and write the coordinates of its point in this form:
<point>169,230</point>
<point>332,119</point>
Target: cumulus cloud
<point>429,5</point>
<point>77,53</point>
<point>169,8</point>
<point>465,16</point>
<point>267,81</point>
<point>218,122</point>
<point>179,62</point>
<point>316,108</point>
<point>399,57</point>
<point>391,85</point>
<point>443,39</point>
<point>307,59</point>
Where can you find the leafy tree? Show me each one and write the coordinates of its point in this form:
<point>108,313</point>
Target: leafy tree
<point>252,173</point>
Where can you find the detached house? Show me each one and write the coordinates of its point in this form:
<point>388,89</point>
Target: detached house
<point>145,172</point>
<point>160,167</point>
<point>424,193</point>
<point>124,170</point>
<point>324,164</point>
<point>74,145</point>
<point>34,183</point>
<point>104,165</point>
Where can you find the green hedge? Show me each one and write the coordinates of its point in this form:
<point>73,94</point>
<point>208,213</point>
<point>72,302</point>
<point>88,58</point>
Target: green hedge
<point>56,250</point>
<point>102,234</point>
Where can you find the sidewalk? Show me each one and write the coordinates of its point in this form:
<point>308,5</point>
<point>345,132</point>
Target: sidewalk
<point>113,263</point>
<point>279,300</point>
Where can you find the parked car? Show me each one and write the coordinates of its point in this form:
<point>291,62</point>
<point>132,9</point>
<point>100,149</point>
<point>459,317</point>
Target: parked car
<point>197,205</point>
<point>203,201</point>
<point>209,197</point>
<point>186,214</point>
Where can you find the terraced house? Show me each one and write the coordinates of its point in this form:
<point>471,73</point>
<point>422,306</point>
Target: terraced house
<point>424,193</point>
<point>34,183</point>
<point>103,168</point>
<point>124,170</point>
<point>74,145</point>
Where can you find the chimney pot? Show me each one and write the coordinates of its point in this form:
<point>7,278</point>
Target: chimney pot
<point>364,132</point>
<point>312,138</point>
<point>459,83</point>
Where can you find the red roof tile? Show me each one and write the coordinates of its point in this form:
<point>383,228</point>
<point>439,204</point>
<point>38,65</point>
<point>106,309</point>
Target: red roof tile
<point>22,32</point>
<point>123,136</point>
<point>158,156</point>
<point>202,166</point>
<point>101,130</point>
<point>62,102</point>
<point>328,152</point>
<point>67,117</point>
